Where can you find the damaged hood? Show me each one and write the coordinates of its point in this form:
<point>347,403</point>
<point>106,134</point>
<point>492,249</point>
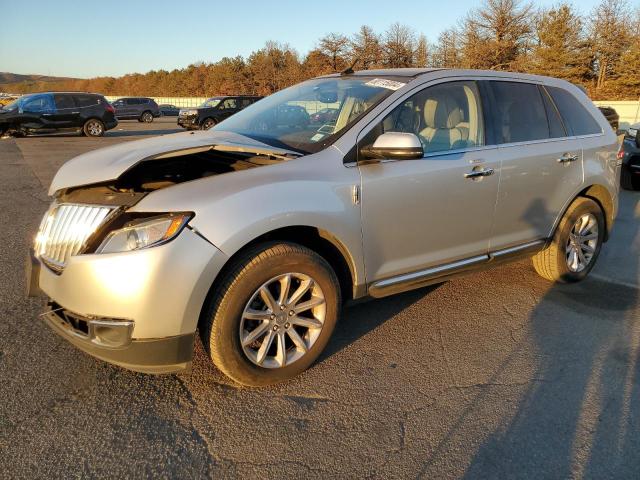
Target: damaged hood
<point>109,163</point>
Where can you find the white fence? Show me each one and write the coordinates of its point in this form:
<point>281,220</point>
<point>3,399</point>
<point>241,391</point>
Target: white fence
<point>629,111</point>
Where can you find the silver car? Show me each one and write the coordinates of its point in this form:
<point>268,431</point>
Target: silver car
<point>255,233</point>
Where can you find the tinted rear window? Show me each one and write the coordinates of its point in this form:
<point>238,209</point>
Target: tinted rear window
<point>519,113</point>
<point>63,101</point>
<point>86,100</point>
<point>576,118</point>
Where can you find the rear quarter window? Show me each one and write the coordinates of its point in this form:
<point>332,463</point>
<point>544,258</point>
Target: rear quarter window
<point>576,117</point>
<point>86,100</point>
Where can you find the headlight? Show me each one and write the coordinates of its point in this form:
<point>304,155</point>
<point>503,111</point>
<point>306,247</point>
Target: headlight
<point>188,112</point>
<point>632,132</point>
<point>144,233</point>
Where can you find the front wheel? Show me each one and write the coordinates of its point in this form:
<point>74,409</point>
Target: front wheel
<point>576,244</point>
<point>207,124</point>
<point>272,314</point>
<point>93,128</point>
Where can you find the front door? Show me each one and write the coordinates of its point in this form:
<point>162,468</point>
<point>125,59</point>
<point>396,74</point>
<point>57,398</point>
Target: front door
<point>429,212</point>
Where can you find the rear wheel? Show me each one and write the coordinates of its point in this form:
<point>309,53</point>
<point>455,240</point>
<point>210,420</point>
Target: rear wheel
<point>146,117</point>
<point>207,124</point>
<point>272,314</point>
<point>576,244</point>
<point>93,128</point>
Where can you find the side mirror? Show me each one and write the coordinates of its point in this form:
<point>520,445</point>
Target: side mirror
<point>394,145</point>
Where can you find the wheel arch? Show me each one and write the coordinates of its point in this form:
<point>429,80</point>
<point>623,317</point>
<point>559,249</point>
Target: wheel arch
<point>599,194</point>
<point>320,241</point>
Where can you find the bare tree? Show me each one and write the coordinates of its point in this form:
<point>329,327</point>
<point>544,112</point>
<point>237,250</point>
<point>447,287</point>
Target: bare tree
<point>399,46</point>
<point>422,52</point>
<point>366,48</point>
<point>496,34</point>
<point>335,46</point>
<point>446,53</point>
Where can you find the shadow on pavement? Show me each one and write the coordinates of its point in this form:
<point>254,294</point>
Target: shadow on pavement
<point>580,414</point>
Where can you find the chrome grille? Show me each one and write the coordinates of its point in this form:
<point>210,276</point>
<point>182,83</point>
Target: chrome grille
<point>64,230</point>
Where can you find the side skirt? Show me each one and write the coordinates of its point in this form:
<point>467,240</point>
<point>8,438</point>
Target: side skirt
<point>442,273</point>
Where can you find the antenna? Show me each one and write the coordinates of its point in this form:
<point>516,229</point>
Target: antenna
<point>349,70</point>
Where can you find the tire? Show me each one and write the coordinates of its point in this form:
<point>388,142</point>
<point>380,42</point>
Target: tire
<point>207,123</point>
<point>93,128</point>
<point>553,263</point>
<point>626,179</point>
<point>146,117</point>
<point>224,324</point>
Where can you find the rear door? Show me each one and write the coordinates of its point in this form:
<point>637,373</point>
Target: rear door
<point>67,114</point>
<point>541,165</point>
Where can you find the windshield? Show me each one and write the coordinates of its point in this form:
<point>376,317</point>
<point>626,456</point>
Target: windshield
<point>212,102</point>
<point>15,104</point>
<point>287,119</point>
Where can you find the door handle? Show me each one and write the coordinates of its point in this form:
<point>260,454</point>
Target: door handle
<point>568,157</point>
<point>75,112</point>
<point>485,172</point>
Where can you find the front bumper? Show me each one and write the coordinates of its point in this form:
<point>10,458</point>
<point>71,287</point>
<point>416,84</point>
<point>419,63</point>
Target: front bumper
<point>159,290</point>
<point>188,122</point>
<point>631,155</point>
<point>163,355</point>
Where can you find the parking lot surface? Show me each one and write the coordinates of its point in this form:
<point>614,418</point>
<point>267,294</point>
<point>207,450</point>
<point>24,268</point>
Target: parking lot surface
<point>495,375</point>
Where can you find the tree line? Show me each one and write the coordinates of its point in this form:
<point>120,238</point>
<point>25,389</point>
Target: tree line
<point>600,51</point>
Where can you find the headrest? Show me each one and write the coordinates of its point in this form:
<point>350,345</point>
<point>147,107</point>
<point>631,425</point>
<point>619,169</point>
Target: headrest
<point>442,111</point>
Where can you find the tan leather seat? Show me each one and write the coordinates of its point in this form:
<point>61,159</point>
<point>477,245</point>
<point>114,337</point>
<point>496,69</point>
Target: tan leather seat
<point>445,128</point>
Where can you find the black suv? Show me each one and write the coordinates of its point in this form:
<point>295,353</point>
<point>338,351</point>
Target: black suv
<point>213,111</point>
<point>143,109</point>
<point>53,111</point>
<point>630,156</point>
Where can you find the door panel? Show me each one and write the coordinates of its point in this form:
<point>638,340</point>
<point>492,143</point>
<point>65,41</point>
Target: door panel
<point>541,167</point>
<point>67,114</point>
<point>422,213</point>
<point>534,187</point>
<point>427,212</point>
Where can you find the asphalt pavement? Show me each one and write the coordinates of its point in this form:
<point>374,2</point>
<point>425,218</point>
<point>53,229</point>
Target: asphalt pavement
<point>496,375</point>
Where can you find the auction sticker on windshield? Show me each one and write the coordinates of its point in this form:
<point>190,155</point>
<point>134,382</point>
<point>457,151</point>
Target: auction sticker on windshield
<point>389,84</point>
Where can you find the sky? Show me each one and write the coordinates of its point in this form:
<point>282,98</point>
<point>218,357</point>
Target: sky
<point>87,39</point>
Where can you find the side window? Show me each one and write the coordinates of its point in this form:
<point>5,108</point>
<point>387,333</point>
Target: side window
<point>519,112</point>
<point>445,117</point>
<point>556,127</point>
<point>577,119</point>
<point>228,104</point>
<point>245,102</point>
<point>85,100</point>
<point>39,104</point>
<point>63,101</point>
<point>132,101</point>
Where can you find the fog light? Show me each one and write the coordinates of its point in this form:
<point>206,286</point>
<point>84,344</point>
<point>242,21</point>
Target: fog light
<point>110,333</point>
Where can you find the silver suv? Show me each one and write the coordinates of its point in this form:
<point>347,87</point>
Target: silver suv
<point>256,232</point>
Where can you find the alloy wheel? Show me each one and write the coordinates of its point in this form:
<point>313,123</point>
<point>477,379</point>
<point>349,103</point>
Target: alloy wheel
<point>582,242</point>
<point>94,128</point>
<point>282,320</point>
